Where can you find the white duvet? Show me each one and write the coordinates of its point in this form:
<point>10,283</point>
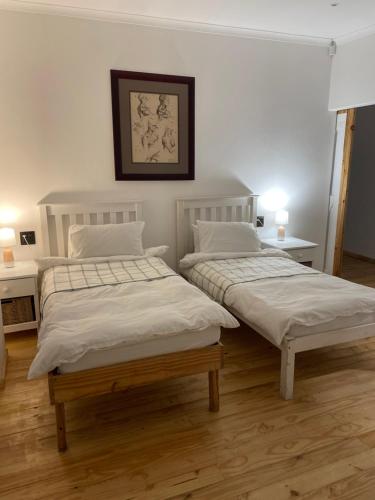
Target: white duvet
<point>76,322</point>
<point>295,305</point>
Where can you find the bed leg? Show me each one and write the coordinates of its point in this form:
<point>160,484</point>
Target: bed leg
<point>287,371</point>
<point>213,384</point>
<point>60,426</point>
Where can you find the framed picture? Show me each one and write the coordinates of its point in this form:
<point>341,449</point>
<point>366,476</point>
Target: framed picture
<point>153,126</point>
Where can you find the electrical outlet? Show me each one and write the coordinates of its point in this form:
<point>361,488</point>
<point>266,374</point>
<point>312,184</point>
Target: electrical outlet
<point>260,221</point>
<point>27,237</point>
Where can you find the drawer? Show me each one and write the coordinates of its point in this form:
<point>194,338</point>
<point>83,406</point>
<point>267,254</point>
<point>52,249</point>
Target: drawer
<point>17,288</point>
<point>303,254</point>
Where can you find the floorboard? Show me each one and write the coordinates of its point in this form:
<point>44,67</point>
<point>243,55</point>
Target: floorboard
<point>160,441</point>
<point>359,271</point>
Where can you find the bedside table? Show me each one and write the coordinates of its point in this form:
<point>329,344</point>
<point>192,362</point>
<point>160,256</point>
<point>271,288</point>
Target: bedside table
<point>301,250</point>
<point>19,297</point>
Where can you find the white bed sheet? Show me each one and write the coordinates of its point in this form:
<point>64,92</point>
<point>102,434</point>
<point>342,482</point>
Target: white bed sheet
<point>297,305</point>
<point>183,341</point>
<point>302,305</point>
<point>80,322</point>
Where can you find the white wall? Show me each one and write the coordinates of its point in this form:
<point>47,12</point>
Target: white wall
<point>353,74</point>
<point>359,235</point>
<point>261,118</point>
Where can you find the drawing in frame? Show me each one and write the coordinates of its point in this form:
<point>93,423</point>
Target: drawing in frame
<point>153,126</point>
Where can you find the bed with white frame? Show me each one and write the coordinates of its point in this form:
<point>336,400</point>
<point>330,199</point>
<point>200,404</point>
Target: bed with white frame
<point>244,208</point>
<point>65,387</point>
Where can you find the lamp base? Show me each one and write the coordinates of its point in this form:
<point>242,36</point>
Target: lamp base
<point>8,257</point>
<point>281,233</point>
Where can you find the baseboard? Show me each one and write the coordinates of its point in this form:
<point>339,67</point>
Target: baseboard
<point>359,256</point>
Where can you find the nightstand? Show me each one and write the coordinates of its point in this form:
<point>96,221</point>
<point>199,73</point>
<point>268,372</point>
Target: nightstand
<point>301,250</point>
<point>19,297</point>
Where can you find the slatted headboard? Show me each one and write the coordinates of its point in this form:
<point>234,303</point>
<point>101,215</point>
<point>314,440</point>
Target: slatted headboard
<point>56,220</point>
<point>227,208</point>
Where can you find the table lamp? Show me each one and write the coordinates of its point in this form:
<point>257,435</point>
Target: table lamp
<point>281,219</point>
<point>7,240</point>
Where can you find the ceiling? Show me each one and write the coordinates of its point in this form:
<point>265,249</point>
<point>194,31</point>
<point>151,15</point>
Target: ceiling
<point>307,21</point>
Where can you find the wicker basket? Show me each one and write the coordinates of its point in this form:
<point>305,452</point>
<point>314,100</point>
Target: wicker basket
<point>19,310</point>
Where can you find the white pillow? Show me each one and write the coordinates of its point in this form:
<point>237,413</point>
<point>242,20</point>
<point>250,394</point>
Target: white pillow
<point>227,237</point>
<point>196,238</point>
<point>103,240</point>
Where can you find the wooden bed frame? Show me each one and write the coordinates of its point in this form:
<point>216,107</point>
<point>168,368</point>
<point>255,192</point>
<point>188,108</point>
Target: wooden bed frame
<point>107,379</point>
<point>243,208</point>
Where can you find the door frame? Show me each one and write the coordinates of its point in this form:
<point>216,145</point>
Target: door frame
<point>344,184</point>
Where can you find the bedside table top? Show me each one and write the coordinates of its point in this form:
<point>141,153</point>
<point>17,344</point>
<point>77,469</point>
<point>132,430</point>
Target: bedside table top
<point>21,269</point>
<point>290,243</point>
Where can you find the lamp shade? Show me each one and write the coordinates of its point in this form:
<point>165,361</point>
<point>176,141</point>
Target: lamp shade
<point>282,217</point>
<point>7,237</point>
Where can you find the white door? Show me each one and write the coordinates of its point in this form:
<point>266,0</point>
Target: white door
<point>335,191</point>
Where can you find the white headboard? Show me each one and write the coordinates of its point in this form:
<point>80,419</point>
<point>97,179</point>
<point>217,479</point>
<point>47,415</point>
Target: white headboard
<point>56,220</point>
<point>227,208</point>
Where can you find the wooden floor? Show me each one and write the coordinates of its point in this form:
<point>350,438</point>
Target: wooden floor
<point>359,271</point>
<point>160,442</point>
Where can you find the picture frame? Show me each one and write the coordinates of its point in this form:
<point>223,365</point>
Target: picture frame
<point>153,126</point>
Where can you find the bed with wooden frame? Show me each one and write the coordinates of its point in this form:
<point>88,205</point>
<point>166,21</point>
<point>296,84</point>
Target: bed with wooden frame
<point>65,387</point>
<point>244,208</point>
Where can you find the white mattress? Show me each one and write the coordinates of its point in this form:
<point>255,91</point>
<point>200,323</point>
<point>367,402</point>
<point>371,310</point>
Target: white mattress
<point>302,305</point>
<point>277,305</point>
<point>340,323</point>
<point>107,318</point>
<point>183,341</point>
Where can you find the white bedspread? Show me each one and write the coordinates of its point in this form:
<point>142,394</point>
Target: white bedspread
<point>76,322</point>
<point>276,306</point>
